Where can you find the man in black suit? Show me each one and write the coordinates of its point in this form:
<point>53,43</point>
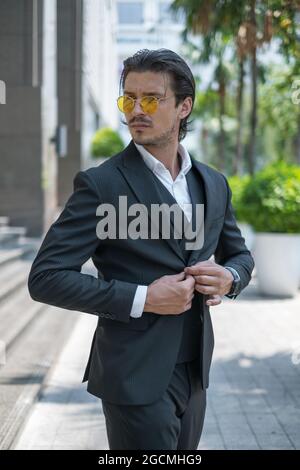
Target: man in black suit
<point>152,348</point>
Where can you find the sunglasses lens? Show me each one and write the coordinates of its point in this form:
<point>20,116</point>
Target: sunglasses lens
<point>149,104</point>
<point>125,104</point>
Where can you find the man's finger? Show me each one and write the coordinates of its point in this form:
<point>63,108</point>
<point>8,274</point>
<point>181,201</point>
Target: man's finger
<point>209,290</point>
<point>189,280</point>
<point>214,300</point>
<point>207,263</point>
<point>178,277</point>
<point>198,270</point>
<point>207,280</point>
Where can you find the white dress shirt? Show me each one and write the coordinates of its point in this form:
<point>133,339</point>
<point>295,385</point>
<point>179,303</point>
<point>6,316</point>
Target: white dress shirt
<point>179,190</point>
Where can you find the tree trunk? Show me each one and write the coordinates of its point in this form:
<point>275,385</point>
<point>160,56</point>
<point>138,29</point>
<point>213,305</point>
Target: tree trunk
<point>237,164</point>
<point>221,157</point>
<point>253,117</point>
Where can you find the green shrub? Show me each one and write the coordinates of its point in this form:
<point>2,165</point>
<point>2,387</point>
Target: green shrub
<point>237,185</point>
<point>271,200</point>
<point>106,142</point>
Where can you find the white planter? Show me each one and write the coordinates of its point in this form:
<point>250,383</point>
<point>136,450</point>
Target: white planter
<point>248,233</point>
<point>277,261</point>
<point>299,260</point>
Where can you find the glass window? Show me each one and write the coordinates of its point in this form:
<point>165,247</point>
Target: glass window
<point>166,15</point>
<point>130,12</point>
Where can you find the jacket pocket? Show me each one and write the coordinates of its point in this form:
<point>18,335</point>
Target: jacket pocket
<point>133,324</point>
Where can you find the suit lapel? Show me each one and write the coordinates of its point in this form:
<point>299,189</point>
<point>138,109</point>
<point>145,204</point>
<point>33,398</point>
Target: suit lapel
<point>141,181</point>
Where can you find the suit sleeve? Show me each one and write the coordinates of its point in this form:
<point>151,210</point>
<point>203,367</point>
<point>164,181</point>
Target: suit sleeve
<point>55,276</point>
<point>231,249</point>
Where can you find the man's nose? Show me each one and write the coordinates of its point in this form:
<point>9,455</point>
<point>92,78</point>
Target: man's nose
<point>137,110</point>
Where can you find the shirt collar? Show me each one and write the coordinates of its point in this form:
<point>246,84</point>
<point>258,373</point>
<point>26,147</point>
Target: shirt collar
<point>157,166</point>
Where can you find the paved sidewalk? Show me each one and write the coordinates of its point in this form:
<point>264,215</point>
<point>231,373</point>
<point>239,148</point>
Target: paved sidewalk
<point>67,417</point>
<point>253,399</point>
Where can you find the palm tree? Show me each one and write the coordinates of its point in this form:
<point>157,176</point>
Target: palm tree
<point>237,166</point>
<point>221,75</point>
<point>254,31</point>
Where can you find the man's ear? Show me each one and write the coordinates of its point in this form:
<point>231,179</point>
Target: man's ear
<point>186,107</point>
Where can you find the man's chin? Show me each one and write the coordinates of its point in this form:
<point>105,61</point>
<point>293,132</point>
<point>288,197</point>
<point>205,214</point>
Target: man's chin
<point>142,140</point>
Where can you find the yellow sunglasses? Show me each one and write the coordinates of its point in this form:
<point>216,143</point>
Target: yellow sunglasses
<point>149,104</point>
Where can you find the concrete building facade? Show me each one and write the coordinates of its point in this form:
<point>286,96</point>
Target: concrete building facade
<point>53,63</point>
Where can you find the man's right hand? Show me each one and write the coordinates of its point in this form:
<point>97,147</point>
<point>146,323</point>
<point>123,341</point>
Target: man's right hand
<point>170,295</point>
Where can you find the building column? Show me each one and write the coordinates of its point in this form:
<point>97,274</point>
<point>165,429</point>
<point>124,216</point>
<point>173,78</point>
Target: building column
<point>28,119</point>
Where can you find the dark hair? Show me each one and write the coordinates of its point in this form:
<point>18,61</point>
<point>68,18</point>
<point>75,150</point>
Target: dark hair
<point>164,61</point>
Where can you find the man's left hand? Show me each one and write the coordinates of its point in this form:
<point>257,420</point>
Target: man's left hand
<point>211,278</point>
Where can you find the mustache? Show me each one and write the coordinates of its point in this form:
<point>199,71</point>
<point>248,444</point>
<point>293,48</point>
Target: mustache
<point>139,121</point>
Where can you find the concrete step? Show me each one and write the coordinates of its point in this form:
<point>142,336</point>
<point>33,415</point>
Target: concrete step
<point>13,276</point>
<point>8,255</point>
<point>11,235</point>
<point>30,246</point>
<point>16,314</point>
<point>12,254</point>
<point>28,363</point>
<point>4,221</point>
<point>31,334</point>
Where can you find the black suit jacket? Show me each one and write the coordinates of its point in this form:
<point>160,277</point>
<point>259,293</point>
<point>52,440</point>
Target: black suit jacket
<point>131,359</point>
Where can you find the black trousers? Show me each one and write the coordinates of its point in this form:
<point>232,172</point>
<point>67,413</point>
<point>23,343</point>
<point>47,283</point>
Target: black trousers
<point>174,422</point>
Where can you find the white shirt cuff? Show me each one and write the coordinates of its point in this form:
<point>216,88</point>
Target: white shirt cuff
<point>139,302</point>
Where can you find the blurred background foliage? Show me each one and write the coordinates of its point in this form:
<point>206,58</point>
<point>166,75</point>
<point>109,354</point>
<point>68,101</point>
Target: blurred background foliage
<point>106,142</point>
<point>270,200</point>
<point>247,113</point>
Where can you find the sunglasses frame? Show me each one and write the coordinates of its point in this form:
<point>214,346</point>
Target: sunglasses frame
<point>157,100</point>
